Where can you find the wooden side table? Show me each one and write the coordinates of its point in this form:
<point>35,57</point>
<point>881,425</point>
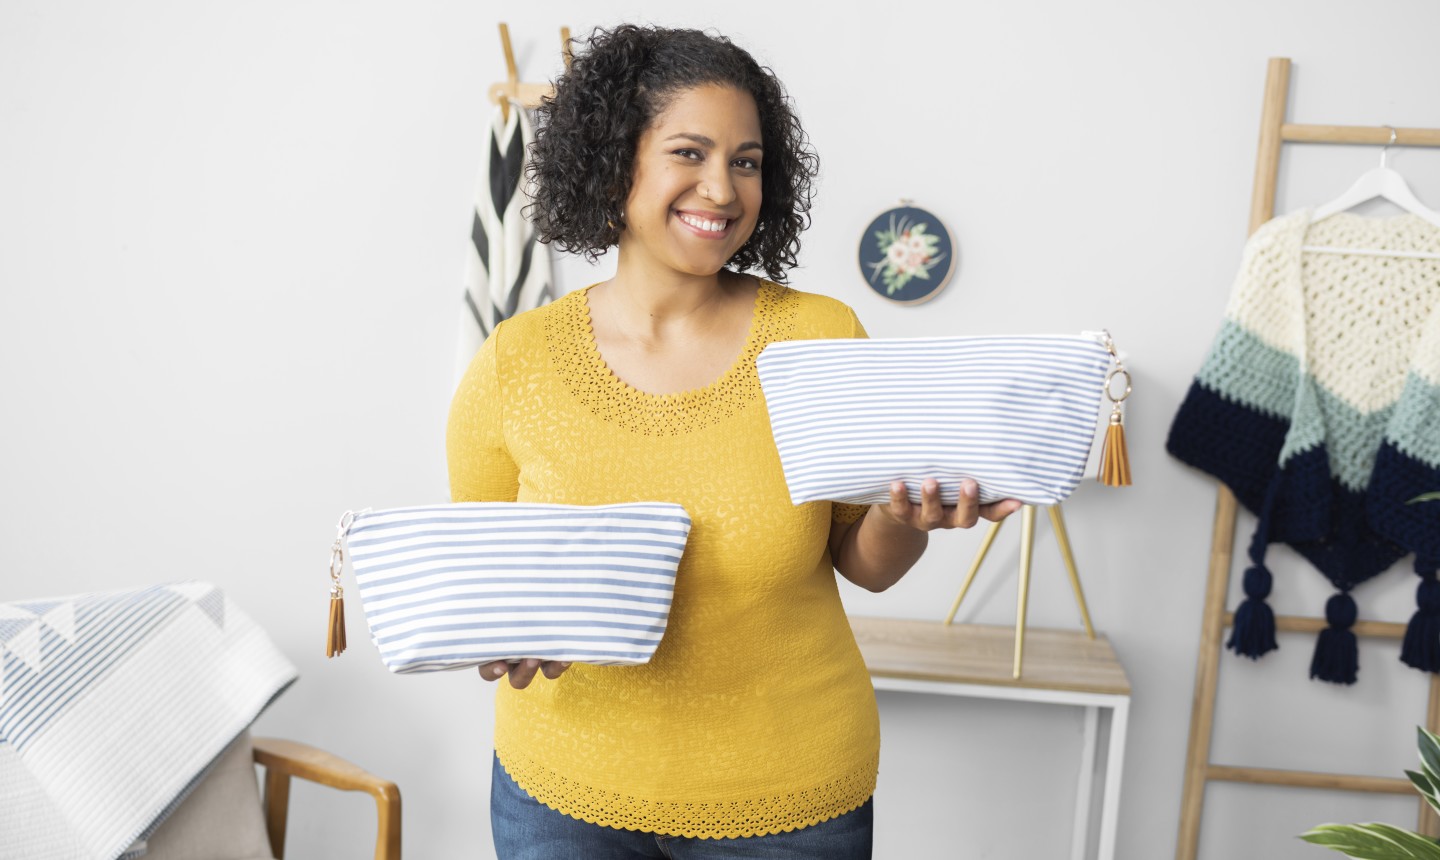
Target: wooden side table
<point>1062,667</point>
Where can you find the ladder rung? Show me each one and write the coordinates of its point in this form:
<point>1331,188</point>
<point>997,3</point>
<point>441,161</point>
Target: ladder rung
<point>1304,624</point>
<point>1308,779</point>
<point>1301,133</point>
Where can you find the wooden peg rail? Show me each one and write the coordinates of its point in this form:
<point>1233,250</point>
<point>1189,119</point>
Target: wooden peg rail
<point>512,89</point>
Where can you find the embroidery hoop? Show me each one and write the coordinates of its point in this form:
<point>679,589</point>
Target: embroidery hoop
<point>873,259</point>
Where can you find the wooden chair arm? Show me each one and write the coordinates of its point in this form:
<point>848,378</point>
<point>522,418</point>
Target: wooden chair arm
<point>283,759</point>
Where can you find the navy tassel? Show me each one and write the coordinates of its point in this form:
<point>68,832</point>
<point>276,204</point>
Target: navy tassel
<point>1337,654</point>
<point>1253,633</point>
<point>1422,636</point>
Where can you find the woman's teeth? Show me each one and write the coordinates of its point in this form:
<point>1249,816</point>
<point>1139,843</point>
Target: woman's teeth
<point>704,224</point>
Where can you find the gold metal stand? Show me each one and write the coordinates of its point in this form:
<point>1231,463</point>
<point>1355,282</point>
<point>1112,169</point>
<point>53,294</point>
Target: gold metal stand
<point>1027,546</point>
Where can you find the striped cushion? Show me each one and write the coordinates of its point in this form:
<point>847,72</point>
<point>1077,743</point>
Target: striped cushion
<point>1016,414</point>
<point>451,586</point>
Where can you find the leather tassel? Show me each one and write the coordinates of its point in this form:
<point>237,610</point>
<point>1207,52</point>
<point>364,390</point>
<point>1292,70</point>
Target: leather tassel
<point>335,639</point>
<point>335,632</point>
<point>1114,457</point>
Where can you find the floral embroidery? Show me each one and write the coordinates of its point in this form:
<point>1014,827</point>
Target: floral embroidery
<point>910,252</point>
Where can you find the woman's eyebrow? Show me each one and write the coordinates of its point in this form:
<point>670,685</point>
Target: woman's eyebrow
<point>707,142</point>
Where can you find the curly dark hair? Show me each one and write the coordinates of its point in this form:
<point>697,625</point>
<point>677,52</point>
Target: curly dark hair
<point>582,160</point>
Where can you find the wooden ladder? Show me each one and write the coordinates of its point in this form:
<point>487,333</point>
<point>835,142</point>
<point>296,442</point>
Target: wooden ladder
<point>1199,769</point>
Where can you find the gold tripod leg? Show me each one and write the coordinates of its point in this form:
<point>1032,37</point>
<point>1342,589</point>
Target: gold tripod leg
<point>1027,546</point>
<point>974,568</point>
<point>1063,538</point>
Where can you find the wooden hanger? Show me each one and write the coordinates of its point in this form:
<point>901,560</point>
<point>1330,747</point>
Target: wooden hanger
<point>1382,182</point>
<point>512,89</point>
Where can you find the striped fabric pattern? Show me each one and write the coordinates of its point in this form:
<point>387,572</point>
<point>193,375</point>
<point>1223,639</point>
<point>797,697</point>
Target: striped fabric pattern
<point>506,269</point>
<point>114,705</point>
<point>1016,414</point>
<point>452,586</point>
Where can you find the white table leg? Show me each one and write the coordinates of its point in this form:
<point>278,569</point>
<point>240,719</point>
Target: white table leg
<point>1080,834</point>
<point>1114,768</point>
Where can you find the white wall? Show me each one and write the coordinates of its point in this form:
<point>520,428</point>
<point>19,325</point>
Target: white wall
<point>231,238</point>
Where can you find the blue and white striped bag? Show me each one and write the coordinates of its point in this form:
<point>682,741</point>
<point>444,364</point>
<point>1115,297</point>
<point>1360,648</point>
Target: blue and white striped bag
<point>458,585</point>
<point>1016,414</point>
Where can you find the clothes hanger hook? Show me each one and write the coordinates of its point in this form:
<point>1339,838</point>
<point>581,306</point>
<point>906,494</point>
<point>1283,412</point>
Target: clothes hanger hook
<point>1385,149</point>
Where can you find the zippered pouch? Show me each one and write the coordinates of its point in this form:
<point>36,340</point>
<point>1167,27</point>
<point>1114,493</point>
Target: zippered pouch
<point>459,585</point>
<point>1017,414</point>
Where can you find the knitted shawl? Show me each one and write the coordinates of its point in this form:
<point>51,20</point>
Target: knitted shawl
<point>1319,406</point>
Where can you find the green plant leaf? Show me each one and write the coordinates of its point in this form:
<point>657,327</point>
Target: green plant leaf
<point>1373,842</point>
<point>1424,783</point>
<point>1427,788</point>
<point>1425,497</point>
<point>1429,753</point>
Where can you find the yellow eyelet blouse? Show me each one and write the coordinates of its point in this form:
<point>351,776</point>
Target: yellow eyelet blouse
<point>756,714</point>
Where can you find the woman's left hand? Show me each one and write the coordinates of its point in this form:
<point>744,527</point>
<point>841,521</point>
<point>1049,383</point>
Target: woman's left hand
<point>931,514</point>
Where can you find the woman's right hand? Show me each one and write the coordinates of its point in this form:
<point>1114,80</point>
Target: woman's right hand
<point>522,673</point>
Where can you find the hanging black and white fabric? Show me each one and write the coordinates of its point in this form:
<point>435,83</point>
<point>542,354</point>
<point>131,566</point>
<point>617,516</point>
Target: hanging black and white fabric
<point>506,270</point>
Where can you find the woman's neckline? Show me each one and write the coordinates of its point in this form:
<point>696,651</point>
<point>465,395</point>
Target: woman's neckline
<point>736,367</point>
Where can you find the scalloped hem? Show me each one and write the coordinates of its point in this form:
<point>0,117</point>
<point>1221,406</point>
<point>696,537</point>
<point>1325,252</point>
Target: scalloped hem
<point>718,820</point>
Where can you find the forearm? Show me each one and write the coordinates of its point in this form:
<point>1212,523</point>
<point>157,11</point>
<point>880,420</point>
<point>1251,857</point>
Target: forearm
<point>877,550</point>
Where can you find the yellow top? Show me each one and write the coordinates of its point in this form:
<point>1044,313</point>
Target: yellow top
<point>756,714</point>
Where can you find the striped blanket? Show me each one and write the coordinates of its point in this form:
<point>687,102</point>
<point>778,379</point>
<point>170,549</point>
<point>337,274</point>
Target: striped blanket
<point>114,705</point>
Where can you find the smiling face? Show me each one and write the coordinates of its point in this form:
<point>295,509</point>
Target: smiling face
<point>695,192</point>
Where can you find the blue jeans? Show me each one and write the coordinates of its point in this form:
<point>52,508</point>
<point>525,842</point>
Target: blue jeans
<point>525,829</point>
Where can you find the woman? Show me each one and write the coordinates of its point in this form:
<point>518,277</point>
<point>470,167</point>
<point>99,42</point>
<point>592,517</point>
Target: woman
<point>754,728</point>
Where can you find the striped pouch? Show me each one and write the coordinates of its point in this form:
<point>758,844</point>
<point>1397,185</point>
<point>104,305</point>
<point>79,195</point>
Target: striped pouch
<point>1016,414</point>
<point>458,585</point>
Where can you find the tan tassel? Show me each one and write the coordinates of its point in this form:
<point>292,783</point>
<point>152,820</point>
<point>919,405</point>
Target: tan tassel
<point>335,634</point>
<point>335,639</point>
<point>1114,458</point>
